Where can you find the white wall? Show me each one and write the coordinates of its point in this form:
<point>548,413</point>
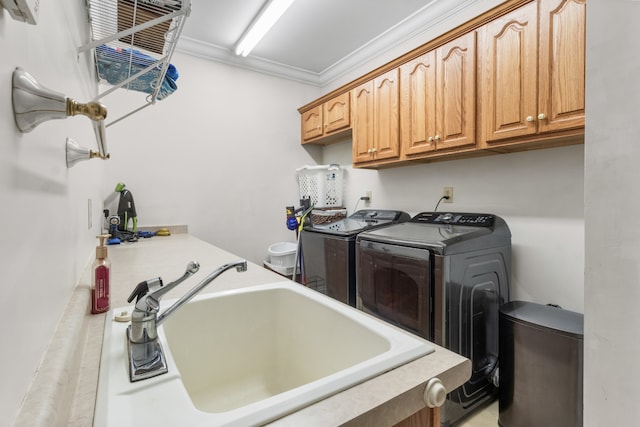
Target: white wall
<point>538,193</point>
<point>219,155</point>
<point>612,279</point>
<point>45,239</point>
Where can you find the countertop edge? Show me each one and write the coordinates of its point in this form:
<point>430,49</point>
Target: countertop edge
<point>49,400</point>
<point>373,403</point>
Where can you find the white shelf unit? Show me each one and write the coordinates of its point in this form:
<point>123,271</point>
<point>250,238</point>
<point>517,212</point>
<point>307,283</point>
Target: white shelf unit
<point>132,43</point>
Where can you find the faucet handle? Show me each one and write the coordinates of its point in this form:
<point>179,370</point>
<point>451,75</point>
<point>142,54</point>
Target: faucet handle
<point>156,289</point>
<point>142,288</point>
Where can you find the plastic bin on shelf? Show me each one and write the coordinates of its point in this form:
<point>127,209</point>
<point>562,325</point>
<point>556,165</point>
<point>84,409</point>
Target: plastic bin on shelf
<point>282,254</point>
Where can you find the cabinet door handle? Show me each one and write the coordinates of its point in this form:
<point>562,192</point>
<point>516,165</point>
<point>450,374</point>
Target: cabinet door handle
<point>542,116</point>
<point>530,118</point>
<point>437,138</point>
<point>373,150</point>
<point>434,393</point>
<point>430,139</point>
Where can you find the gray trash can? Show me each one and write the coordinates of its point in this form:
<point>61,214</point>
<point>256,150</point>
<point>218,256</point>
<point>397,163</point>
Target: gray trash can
<point>541,364</point>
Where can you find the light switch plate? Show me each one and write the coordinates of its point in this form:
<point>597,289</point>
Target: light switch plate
<point>23,10</point>
<point>89,214</point>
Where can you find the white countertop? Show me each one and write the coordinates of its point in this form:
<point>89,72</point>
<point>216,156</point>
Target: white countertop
<point>63,392</point>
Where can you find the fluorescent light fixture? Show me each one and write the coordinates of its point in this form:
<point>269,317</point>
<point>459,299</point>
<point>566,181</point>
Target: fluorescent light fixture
<point>259,27</point>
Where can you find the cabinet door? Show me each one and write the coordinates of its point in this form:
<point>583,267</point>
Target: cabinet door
<point>337,114</point>
<point>312,123</point>
<point>456,95</point>
<point>427,417</point>
<point>386,115</point>
<point>418,105</point>
<point>363,123</point>
<point>509,80</point>
<point>561,65</point>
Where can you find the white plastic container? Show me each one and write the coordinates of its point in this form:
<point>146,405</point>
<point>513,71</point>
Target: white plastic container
<point>322,184</point>
<point>282,254</point>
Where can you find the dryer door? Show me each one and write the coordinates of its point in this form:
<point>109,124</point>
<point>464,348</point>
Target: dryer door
<point>393,283</point>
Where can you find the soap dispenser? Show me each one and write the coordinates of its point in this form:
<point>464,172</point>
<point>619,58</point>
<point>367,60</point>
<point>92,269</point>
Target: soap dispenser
<point>100,277</point>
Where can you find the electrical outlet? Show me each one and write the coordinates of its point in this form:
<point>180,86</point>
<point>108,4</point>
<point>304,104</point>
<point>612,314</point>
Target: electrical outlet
<point>367,196</point>
<point>448,193</point>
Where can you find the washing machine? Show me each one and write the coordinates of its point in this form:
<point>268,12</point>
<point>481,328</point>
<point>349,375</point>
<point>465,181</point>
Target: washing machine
<point>328,251</point>
<point>444,277</point>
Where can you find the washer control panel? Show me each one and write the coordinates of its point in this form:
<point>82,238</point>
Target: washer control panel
<point>455,218</point>
<point>378,215</point>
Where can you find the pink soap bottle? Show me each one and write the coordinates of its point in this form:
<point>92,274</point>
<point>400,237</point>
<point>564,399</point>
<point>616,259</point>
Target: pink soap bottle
<point>100,278</point>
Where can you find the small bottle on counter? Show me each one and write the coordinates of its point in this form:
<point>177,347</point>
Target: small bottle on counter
<point>100,278</point>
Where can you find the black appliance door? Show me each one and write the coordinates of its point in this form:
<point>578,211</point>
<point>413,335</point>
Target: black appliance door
<point>393,283</point>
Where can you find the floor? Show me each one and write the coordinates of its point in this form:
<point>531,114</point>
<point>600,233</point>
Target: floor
<point>485,417</point>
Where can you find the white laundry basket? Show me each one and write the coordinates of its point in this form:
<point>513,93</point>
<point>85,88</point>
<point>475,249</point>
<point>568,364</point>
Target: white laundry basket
<point>322,184</point>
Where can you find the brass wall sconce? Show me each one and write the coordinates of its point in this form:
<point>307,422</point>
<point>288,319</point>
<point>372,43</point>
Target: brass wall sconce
<point>34,104</point>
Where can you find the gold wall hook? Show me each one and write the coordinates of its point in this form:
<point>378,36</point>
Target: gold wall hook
<point>77,153</point>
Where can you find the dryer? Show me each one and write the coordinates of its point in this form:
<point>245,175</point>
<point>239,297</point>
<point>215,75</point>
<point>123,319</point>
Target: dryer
<point>444,277</point>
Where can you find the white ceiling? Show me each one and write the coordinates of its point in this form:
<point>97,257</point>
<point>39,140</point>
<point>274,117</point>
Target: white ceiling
<point>315,40</point>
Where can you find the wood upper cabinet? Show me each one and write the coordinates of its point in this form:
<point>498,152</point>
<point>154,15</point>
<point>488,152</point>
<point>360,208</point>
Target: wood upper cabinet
<point>508,69</point>
<point>376,119</point>
<point>418,105</point>
<point>532,70</point>
<point>562,64</point>
<point>456,92</point>
<point>438,95</point>
<point>312,124</point>
<point>327,119</point>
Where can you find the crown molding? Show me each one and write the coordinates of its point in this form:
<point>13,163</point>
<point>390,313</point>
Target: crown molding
<point>413,27</point>
<point>223,55</point>
<point>431,15</point>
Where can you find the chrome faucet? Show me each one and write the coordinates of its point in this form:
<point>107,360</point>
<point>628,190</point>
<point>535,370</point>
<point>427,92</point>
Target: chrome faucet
<point>146,358</point>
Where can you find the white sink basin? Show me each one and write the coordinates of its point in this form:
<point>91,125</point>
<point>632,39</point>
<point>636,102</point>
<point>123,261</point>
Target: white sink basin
<point>249,356</point>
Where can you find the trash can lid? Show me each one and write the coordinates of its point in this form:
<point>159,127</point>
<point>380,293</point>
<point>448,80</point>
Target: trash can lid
<point>563,321</point>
